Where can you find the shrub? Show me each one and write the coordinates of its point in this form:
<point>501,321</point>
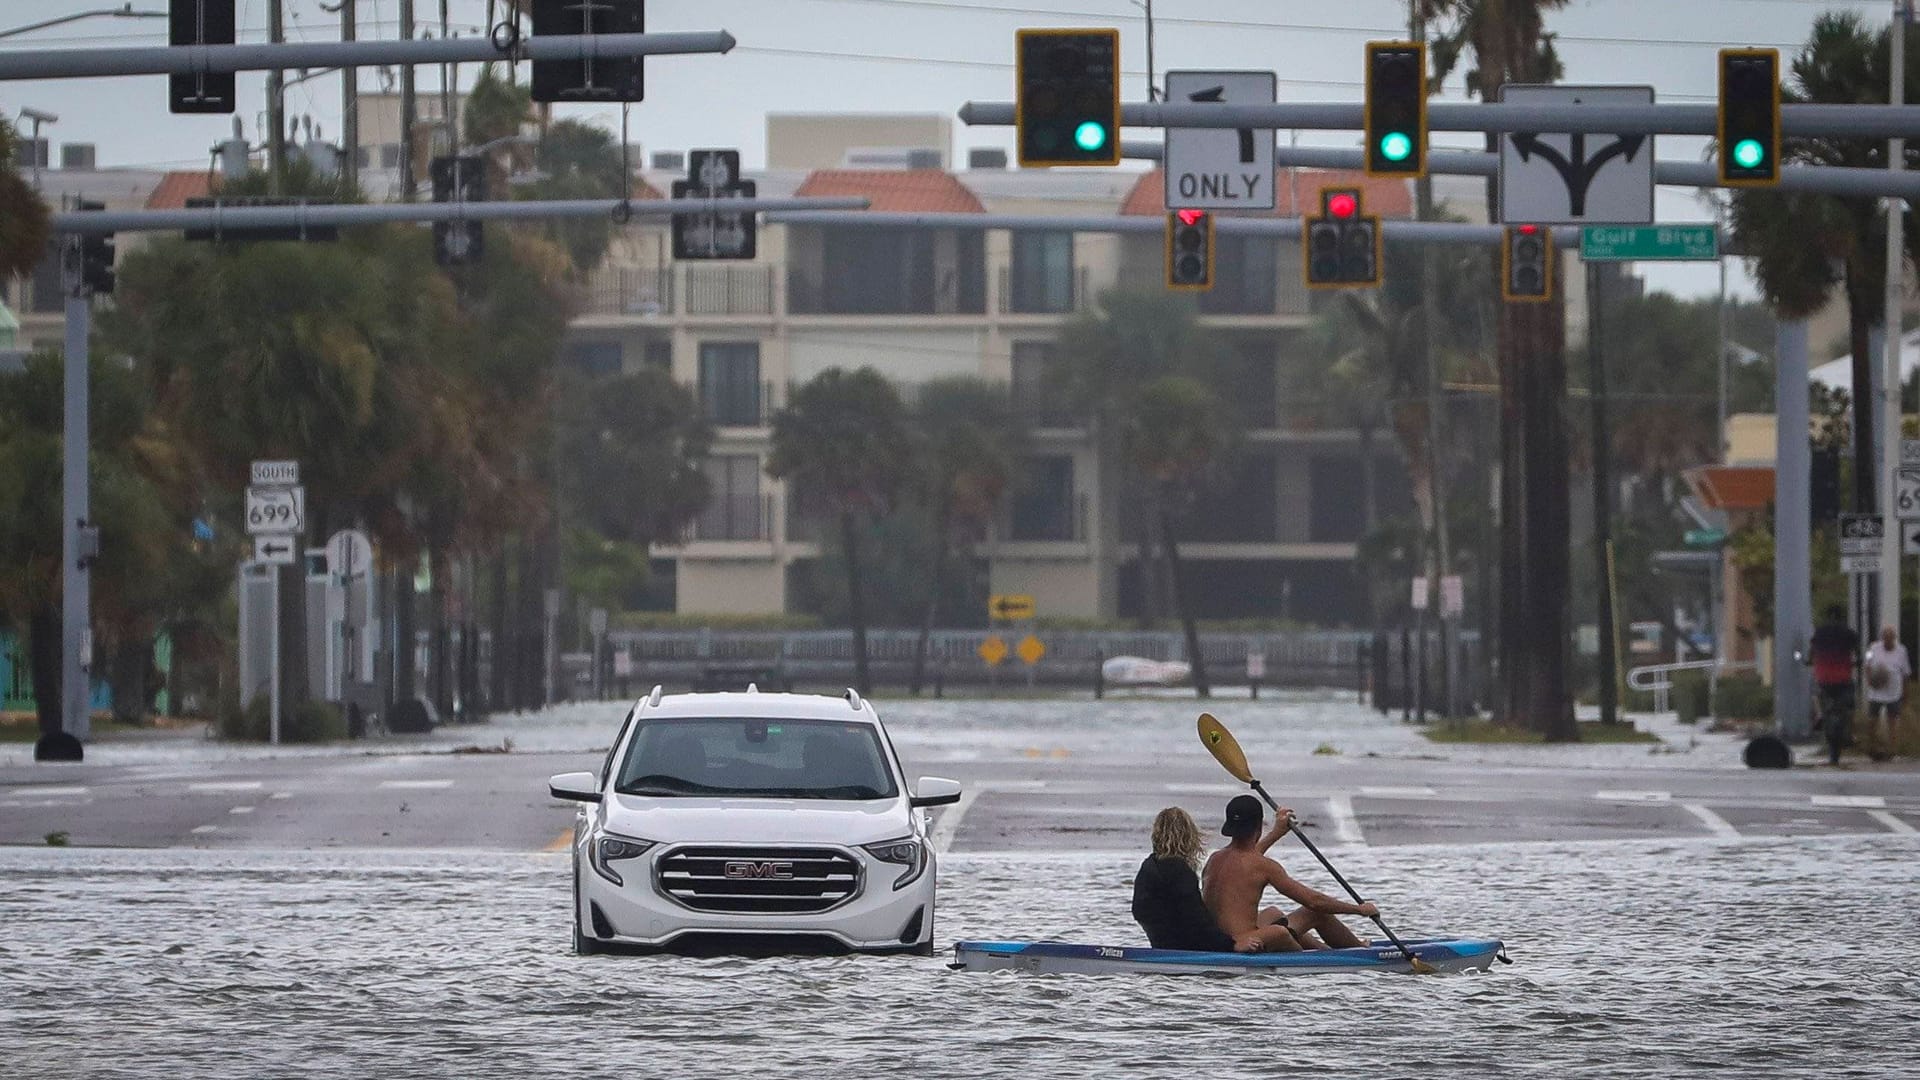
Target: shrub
<point>1689,695</point>
<point>313,721</point>
<point>1745,697</point>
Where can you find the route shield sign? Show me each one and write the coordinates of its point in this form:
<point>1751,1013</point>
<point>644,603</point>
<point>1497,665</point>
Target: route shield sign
<point>280,510</point>
<point>1557,178</point>
<point>1220,168</point>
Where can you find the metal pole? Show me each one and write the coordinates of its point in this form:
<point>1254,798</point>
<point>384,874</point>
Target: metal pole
<point>1792,564</point>
<point>276,103</point>
<point>349,102</point>
<point>1602,495</point>
<point>1153,90</point>
<point>313,214</point>
<point>273,672</point>
<point>1720,369</point>
<point>1429,292</point>
<point>1889,590</point>
<point>76,601</point>
<point>448,75</point>
<point>407,107</point>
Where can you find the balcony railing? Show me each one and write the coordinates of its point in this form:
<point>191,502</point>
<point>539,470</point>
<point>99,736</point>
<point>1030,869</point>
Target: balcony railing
<point>1036,301</point>
<point>729,290</point>
<point>628,290</point>
<point>735,517</point>
<point>742,410</point>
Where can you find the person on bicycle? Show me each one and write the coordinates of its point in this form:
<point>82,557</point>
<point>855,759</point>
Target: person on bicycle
<point>1835,651</point>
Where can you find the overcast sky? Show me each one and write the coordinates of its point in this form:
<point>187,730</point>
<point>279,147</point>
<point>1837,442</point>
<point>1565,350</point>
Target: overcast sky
<point>919,56</point>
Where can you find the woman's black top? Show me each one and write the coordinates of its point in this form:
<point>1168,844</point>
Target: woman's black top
<point>1167,905</point>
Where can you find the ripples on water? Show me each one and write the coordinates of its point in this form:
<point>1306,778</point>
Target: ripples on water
<point>1642,959</point>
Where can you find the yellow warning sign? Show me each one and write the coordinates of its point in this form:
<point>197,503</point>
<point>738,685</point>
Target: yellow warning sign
<point>1031,650</point>
<point>1010,606</point>
<point>993,650</point>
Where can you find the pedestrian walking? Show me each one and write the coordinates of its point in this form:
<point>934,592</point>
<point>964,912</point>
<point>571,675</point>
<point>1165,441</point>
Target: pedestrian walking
<point>1888,669</point>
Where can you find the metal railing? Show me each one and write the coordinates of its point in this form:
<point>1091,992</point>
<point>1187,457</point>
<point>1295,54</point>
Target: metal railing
<point>628,290</point>
<point>1036,302</point>
<point>729,290</point>
<point>1657,678</point>
<point>735,517</point>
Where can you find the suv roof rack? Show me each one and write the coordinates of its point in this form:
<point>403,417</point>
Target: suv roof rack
<point>653,696</point>
<point>853,699</point>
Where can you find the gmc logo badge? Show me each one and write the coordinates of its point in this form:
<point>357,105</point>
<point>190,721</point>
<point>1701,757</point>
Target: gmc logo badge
<point>741,868</point>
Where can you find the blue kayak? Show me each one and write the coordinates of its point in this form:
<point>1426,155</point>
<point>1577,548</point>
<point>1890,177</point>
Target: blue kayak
<point>1444,954</point>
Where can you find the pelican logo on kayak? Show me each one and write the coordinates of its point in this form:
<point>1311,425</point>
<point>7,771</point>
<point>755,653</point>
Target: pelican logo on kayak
<point>1108,952</point>
<point>741,868</point>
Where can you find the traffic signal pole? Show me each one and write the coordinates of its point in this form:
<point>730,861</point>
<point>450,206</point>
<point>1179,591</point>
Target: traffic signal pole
<point>1890,383</point>
<point>76,578</point>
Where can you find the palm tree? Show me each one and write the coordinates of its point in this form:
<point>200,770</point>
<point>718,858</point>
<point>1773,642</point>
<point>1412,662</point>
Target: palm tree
<point>24,220</point>
<point>844,439</point>
<point>970,447</point>
<point>1509,43</point>
<point>1804,246</point>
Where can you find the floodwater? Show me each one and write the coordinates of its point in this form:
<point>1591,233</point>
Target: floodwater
<point>1648,959</point>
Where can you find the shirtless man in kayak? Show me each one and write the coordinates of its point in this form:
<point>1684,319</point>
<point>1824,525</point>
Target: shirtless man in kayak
<point>1237,876</point>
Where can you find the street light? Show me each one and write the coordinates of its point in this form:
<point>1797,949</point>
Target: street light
<point>38,118</point>
<point>125,11</point>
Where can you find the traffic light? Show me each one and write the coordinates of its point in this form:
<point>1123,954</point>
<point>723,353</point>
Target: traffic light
<point>592,78</point>
<point>461,179</point>
<point>1750,117</point>
<point>200,22</point>
<point>1396,108</point>
<point>1342,248</point>
<point>1190,250</point>
<point>1824,486</point>
<point>1526,264</point>
<point>1067,106</point>
<point>96,256</point>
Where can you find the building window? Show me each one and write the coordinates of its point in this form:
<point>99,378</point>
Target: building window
<point>658,354</point>
<point>730,382</point>
<point>390,155</point>
<point>1335,514</point>
<point>1036,390</point>
<point>1043,504</point>
<point>1042,272</point>
<point>735,510</point>
<point>594,357</point>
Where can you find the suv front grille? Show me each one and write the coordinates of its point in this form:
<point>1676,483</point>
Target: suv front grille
<point>774,880</point>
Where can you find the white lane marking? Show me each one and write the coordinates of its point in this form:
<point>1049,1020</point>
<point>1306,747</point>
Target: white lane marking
<point>46,792</point>
<point>1346,827</point>
<point>416,785</point>
<point>949,823</point>
<point>241,810</point>
<point>1398,792</point>
<point>1196,789</point>
<point>201,829</point>
<point>281,795</point>
<point>226,785</point>
<point>1715,824</point>
<point>1892,823</point>
<point>1633,796</point>
<point>1861,802</point>
<point>1014,785</point>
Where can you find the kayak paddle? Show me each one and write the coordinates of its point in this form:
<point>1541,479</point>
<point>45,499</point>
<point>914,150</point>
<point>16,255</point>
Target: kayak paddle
<point>1226,750</point>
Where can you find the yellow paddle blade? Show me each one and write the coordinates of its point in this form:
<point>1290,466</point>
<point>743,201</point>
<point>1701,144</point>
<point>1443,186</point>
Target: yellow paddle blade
<point>1220,743</point>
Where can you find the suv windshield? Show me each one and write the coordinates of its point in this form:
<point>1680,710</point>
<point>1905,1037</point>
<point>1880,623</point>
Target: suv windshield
<point>782,759</point>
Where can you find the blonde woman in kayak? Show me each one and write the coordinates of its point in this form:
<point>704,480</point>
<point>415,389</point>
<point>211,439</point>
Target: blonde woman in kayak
<point>1166,891</point>
<point>1237,877</point>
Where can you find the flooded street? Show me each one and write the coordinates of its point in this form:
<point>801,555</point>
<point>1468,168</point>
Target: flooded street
<point>1751,959</point>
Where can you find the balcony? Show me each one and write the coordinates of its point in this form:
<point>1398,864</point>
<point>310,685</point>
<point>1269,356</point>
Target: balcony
<point>628,290</point>
<point>1059,296</point>
<point>751,406</point>
<point>735,517</point>
<point>729,290</point>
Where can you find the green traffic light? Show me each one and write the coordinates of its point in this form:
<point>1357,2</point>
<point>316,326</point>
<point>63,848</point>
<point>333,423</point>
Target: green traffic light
<point>1091,135</point>
<point>1748,153</point>
<point>1396,146</point>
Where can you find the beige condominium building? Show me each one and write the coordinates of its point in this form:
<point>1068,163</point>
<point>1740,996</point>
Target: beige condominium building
<point>1278,538</point>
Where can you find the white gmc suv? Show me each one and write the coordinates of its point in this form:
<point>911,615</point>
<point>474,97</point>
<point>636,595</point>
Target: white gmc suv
<point>749,820</point>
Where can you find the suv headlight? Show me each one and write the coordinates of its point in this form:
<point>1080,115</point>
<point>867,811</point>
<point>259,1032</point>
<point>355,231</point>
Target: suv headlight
<point>907,852</point>
<point>607,849</point>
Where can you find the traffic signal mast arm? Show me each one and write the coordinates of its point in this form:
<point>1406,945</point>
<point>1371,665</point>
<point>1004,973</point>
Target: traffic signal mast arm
<point>320,214</point>
<point>218,59</point>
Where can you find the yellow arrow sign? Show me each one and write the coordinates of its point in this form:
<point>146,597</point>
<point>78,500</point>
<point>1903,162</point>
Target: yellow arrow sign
<point>993,650</point>
<point>1031,650</point>
<point>1010,606</point>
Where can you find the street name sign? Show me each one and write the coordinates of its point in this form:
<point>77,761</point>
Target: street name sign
<point>1650,243</point>
<point>276,473</point>
<point>1861,534</point>
<point>277,550</point>
<point>278,510</point>
<point>1560,178</point>
<point>1220,168</point>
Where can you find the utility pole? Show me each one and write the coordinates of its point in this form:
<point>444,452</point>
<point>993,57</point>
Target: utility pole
<point>1890,381</point>
<point>349,102</point>
<point>1602,493</point>
<point>276,103</point>
<point>448,91</point>
<point>407,106</point>
<point>1153,90</point>
<point>76,578</point>
<point>1429,288</point>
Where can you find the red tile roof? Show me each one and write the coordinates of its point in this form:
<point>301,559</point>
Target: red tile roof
<point>925,191</point>
<point>175,188</point>
<point>644,190</point>
<point>1733,487</point>
<point>1383,197</point>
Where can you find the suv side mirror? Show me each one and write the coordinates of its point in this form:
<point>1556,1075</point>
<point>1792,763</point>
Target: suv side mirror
<point>574,787</point>
<point>935,791</point>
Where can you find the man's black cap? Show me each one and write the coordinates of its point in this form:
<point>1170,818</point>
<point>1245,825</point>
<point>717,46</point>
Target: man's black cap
<point>1243,812</point>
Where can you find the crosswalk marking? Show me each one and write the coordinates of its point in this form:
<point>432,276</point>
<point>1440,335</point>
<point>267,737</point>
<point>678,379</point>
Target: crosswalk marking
<point>49,792</point>
<point>1398,792</point>
<point>225,785</point>
<point>1892,823</point>
<point>1346,827</point>
<point>1860,802</point>
<point>1634,796</point>
<point>1716,824</point>
<point>416,785</point>
<point>238,810</point>
<point>203,829</point>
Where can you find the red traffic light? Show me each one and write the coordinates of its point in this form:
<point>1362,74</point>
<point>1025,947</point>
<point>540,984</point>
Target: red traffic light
<point>1190,217</point>
<point>1343,205</point>
<point>1528,230</point>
